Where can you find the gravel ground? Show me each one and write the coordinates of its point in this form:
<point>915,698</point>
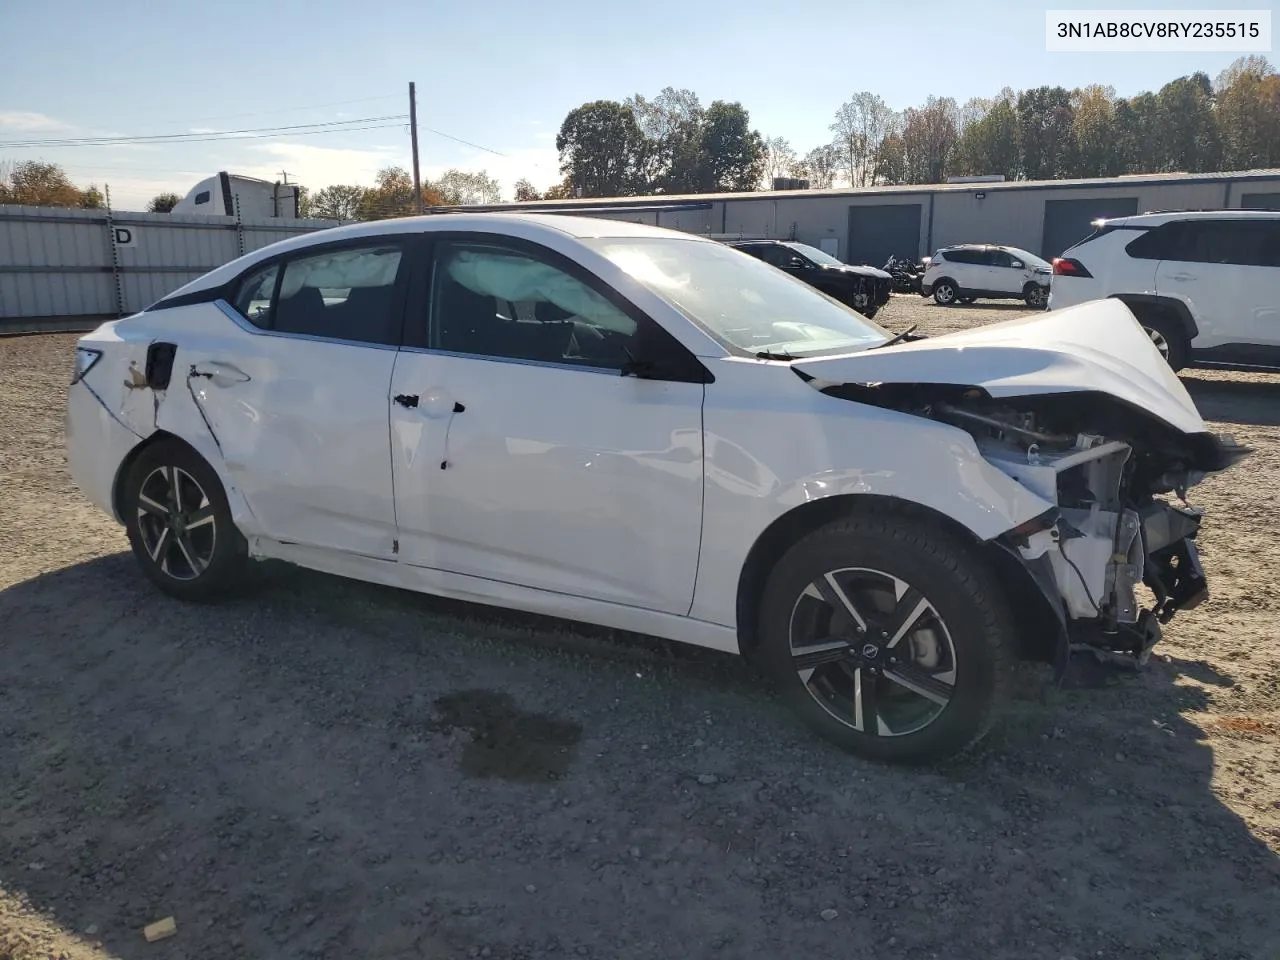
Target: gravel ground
<point>323,768</point>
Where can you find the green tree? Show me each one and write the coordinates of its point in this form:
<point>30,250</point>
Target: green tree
<point>91,198</point>
<point>1137,138</point>
<point>1044,133</point>
<point>779,160</point>
<point>671,123</point>
<point>465,188</point>
<point>889,165</point>
<point>1248,111</point>
<point>732,153</point>
<point>989,144</point>
<point>928,136</point>
<point>163,202</point>
<point>1189,139</point>
<point>338,201</point>
<point>526,191</point>
<point>1094,129</point>
<point>601,148</point>
<point>819,166</point>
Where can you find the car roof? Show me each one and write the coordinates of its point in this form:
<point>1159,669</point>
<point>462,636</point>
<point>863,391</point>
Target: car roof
<point>527,226</point>
<point>1154,219</point>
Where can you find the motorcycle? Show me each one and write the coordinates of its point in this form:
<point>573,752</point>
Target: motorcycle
<point>906,274</point>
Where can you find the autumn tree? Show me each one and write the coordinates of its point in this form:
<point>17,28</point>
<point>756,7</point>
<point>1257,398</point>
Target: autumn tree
<point>338,201</point>
<point>928,136</point>
<point>600,147</point>
<point>1093,124</point>
<point>526,191</point>
<point>988,143</point>
<point>163,202</point>
<point>38,184</point>
<point>466,188</point>
<point>889,164</point>
<point>820,166</point>
<point>861,124</point>
<point>1248,110</point>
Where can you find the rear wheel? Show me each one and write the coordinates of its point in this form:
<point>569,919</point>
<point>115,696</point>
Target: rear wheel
<point>1167,337</point>
<point>887,635</point>
<point>179,524</point>
<point>945,293</point>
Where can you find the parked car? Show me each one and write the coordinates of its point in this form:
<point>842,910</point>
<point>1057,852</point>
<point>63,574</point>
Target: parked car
<point>1205,284</point>
<point>864,288</point>
<point>651,431</point>
<point>969,271</point>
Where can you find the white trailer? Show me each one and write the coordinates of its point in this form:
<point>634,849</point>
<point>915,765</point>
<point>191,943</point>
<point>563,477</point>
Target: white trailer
<point>219,195</point>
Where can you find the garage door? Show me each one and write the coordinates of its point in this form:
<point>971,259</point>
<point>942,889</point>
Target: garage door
<point>879,232</point>
<point>1067,221</point>
<point>1260,201</point>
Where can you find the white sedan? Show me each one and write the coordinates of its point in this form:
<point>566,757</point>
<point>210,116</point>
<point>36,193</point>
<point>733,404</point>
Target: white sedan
<point>651,431</point>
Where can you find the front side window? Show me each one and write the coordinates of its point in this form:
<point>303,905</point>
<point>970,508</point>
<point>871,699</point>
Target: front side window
<point>738,300</point>
<point>816,255</point>
<point>780,255</point>
<point>492,301</point>
<point>345,294</point>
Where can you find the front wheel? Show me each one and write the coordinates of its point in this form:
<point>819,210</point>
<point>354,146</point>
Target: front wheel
<point>1035,296</point>
<point>945,293</point>
<point>179,524</point>
<point>888,636</point>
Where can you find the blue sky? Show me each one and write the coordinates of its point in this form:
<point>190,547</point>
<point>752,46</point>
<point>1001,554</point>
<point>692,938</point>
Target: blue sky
<point>501,74</point>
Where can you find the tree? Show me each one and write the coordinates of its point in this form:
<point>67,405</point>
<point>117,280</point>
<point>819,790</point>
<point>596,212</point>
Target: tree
<point>861,124</point>
<point>732,153</point>
<point>779,160</point>
<point>1094,129</point>
<point>1044,133</point>
<point>1248,111</point>
<point>392,196</point>
<point>889,164</point>
<point>819,166</point>
<point>38,184</point>
<point>1189,140</point>
<point>671,123</point>
<point>92,198</point>
<point>163,202</point>
<point>338,202</point>
<point>601,147</point>
<point>1136,135</point>
<point>928,136</point>
<point>464,188</point>
<point>526,191</point>
<point>989,144</point>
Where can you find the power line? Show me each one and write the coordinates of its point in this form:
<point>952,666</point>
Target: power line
<point>198,137</point>
<point>266,113</point>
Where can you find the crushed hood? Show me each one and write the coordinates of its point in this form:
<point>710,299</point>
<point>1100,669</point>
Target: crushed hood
<point>1094,347</point>
<point>861,270</point>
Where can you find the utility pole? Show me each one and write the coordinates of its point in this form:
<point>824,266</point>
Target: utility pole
<point>413,136</point>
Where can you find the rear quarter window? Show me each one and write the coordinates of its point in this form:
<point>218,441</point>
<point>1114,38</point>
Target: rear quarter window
<point>1158,244</point>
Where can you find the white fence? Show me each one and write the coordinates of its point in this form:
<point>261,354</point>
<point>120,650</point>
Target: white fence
<point>59,266</point>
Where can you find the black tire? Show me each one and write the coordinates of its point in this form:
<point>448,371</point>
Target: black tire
<point>945,293</point>
<point>1035,296</point>
<point>186,543</point>
<point>1168,337</point>
<point>940,573</point>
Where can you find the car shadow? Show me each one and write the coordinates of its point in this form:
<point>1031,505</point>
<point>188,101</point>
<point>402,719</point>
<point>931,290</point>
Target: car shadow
<point>1251,402</point>
<point>319,767</point>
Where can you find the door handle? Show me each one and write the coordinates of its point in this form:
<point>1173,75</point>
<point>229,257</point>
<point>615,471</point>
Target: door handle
<point>219,373</point>
<point>407,400</point>
<point>1182,276</point>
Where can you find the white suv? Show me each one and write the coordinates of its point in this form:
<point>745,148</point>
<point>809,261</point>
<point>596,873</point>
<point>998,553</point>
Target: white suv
<point>968,271</point>
<point>1204,284</point>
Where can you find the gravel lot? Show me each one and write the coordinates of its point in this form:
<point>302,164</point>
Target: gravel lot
<point>322,768</point>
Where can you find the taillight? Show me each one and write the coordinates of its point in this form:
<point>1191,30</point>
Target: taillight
<point>1069,267</point>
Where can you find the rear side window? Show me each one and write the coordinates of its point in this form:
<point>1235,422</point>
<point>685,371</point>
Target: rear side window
<point>1158,244</point>
<point>253,301</point>
<point>341,295</point>
<point>964,256</point>
<point>1246,243</point>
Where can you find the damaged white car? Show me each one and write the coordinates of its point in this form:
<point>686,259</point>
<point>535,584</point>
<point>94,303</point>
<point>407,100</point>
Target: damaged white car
<point>650,431</point>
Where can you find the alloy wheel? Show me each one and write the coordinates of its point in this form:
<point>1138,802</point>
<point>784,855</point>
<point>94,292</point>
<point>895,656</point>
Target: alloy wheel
<point>176,523</point>
<point>1036,297</point>
<point>1160,341</point>
<point>945,293</point>
<point>873,651</point>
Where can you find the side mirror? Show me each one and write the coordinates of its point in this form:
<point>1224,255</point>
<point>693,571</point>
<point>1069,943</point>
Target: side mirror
<point>1018,264</point>
<point>795,263</point>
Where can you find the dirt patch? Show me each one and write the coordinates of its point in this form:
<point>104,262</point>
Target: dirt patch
<point>286,773</point>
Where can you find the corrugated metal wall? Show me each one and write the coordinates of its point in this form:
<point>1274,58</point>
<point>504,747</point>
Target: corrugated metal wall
<point>58,262</point>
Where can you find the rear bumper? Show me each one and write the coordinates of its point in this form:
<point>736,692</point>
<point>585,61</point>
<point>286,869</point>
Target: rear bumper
<point>96,445</point>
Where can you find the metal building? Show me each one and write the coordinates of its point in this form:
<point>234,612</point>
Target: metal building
<point>868,225</point>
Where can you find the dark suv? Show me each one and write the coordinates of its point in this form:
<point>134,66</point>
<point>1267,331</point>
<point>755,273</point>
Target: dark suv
<point>866,289</point>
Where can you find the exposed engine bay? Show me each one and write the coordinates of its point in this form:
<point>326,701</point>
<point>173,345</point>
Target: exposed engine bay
<point>1119,479</point>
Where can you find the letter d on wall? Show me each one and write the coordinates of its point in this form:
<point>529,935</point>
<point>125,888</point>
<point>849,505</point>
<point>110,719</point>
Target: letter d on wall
<point>124,237</point>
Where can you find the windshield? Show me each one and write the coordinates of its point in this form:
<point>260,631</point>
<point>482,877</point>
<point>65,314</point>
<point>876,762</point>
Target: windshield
<point>1030,259</point>
<point>740,300</point>
<point>816,255</point>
